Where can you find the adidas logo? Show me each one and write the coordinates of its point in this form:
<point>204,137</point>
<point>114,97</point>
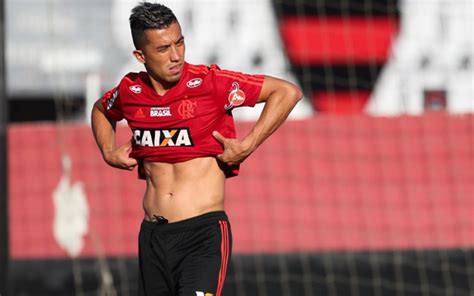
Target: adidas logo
<point>139,113</point>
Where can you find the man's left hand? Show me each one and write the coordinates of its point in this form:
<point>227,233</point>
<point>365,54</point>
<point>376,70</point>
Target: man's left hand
<point>235,151</point>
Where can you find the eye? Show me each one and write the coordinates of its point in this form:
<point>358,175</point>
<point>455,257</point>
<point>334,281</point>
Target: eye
<point>162,49</point>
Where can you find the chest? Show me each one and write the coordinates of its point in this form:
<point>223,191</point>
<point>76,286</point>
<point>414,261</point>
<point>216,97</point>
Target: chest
<point>188,109</point>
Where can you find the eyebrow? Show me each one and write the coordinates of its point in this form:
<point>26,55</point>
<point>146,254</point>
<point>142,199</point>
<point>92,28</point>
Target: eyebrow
<point>168,45</point>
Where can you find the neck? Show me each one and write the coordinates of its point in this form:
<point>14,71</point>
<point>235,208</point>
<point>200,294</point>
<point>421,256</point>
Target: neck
<point>160,87</point>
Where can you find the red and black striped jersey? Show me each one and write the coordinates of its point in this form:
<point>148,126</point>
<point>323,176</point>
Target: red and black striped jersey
<point>178,125</point>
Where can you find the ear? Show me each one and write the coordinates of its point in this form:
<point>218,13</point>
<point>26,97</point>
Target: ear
<point>139,56</point>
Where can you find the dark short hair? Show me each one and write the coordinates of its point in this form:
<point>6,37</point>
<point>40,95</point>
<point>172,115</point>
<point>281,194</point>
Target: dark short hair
<point>147,16</point>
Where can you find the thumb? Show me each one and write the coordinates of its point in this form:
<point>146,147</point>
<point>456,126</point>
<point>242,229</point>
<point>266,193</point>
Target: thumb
<point>219,137</point>
<point>129,145</point>
<point>132,161</point>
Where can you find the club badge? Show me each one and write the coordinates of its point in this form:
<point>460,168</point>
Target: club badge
<point>236,97</point>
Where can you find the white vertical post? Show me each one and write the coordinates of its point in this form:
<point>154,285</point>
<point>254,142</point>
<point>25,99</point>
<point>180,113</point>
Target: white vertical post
<point>93,82</point>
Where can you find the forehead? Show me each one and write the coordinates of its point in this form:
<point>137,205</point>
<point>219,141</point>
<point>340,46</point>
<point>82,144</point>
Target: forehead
<point>160,37</point>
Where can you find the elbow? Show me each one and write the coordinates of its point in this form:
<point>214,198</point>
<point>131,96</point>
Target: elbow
<point>295,93</point>
<point>299,94</point>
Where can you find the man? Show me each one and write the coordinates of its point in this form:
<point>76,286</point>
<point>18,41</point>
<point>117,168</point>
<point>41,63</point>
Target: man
<point>184,145</point>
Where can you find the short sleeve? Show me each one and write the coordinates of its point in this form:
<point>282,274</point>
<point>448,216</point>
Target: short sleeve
<point>112,105</point>
<point>234,89</point>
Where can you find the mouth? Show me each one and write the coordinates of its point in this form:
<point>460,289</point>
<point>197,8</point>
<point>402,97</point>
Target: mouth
<point>176,69</point>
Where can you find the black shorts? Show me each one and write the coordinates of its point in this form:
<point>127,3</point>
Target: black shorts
<point>184,258</point>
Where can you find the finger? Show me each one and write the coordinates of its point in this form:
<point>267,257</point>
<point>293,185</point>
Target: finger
<point>130,167</point>
<point>132,162</point>
<point>219,137</point>
<point>128,146</point>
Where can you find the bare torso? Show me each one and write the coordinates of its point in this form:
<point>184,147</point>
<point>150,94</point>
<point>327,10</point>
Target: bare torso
<point>183,190</point>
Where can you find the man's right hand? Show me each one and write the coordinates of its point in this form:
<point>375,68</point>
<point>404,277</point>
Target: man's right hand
<point>120,157</point>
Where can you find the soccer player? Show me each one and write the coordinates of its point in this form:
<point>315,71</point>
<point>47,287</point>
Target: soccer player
<point>185,146</point>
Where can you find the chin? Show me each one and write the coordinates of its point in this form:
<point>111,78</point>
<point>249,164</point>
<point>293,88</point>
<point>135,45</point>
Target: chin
<point>175,78</point>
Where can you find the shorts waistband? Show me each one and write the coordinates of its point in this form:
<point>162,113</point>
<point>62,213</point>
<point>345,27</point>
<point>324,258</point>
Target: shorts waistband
<point>183,225</point>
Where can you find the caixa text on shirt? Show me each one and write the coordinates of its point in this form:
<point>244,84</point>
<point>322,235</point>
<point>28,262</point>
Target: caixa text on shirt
<point>162,137</point>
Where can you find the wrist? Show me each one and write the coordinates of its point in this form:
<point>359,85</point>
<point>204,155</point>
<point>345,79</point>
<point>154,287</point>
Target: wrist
<point>107,153</point>
<point>249,145</point>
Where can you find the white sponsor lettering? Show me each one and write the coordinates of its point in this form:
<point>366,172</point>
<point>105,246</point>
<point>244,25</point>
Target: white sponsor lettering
<point>183,139</point>
<point>162,137</point>
<point>160,112</point>
<point>194,82</point>
<point>147,139</point>
<point>136,89</point>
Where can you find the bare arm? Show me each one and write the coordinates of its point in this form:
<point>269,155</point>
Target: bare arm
<point>104,134</point>
<point>280,97</point>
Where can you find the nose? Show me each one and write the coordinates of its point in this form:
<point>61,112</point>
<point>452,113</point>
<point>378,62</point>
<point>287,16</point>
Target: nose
<point>174,54</point>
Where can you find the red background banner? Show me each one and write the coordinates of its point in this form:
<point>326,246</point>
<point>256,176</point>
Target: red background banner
<point>323,184</point>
